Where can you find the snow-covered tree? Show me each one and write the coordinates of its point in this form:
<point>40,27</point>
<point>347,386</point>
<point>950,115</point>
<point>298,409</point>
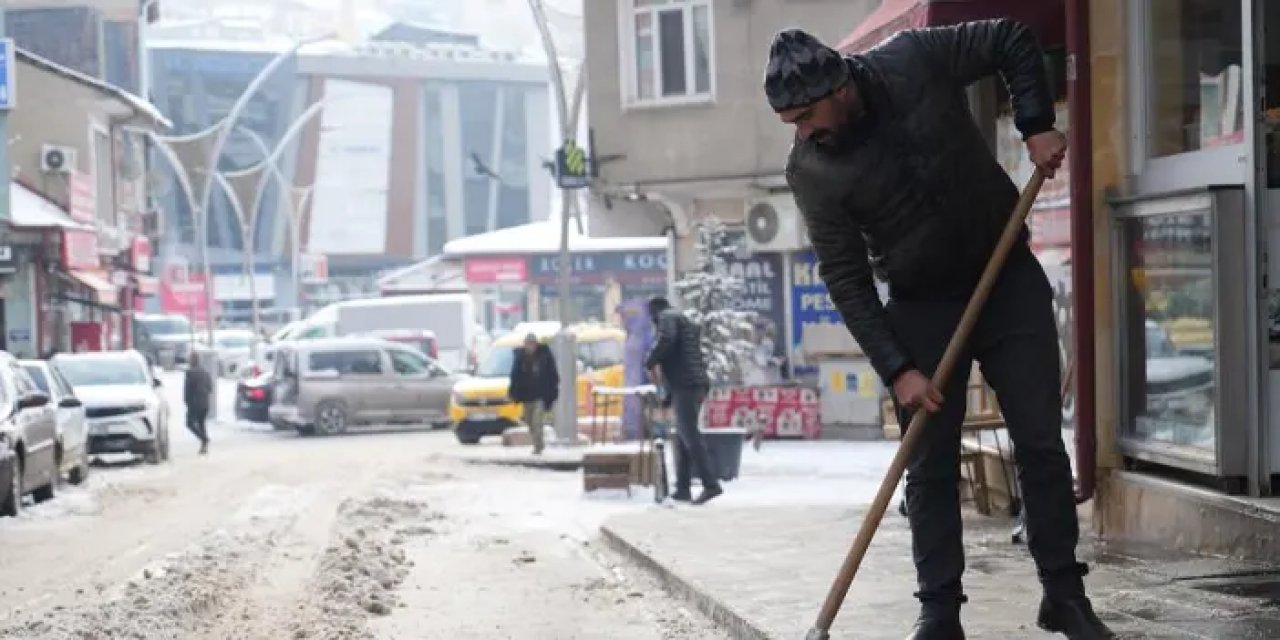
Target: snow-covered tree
<point>709,293</point>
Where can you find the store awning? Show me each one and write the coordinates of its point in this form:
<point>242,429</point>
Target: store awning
<point>103,290</point>
<point>1045,17</point>
<point>30,210</point>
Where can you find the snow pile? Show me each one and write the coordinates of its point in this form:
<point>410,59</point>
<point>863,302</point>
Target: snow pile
<point>360,571</point>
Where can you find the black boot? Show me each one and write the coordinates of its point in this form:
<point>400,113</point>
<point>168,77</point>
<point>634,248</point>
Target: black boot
<point>937,622</point>
<point>1065,609</point>
<point>1073,617</point>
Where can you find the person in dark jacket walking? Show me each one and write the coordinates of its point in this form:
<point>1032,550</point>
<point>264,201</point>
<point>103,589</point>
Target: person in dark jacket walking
<point>677,354</point>
<point>197,386</point>
<point>895,180</point>
<point>535,383</point>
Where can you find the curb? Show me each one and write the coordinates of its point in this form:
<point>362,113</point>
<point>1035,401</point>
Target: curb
<point>544,465</point>
<point>722,614</point>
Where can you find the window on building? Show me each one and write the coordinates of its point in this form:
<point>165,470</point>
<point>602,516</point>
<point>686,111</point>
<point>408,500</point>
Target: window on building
<point>1196,76</point>
<point>670,50</point>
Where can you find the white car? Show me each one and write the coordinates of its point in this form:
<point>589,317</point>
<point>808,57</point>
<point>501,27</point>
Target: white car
<point>234,350</point>
<point>122,400</point>
<point>73,431</point>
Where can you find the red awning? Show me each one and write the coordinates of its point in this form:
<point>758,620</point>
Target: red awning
<point>1046,17</point>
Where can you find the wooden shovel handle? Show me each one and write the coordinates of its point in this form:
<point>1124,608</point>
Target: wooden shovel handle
<point>852,561</point>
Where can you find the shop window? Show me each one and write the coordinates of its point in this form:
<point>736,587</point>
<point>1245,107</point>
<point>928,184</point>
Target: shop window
<point>1196,89</point>
<point>1170,329</point>
<point>1271,96</point>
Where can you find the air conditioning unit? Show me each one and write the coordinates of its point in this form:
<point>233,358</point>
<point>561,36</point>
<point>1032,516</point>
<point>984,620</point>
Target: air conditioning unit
<point>774,224</point>
<point>57,159</point>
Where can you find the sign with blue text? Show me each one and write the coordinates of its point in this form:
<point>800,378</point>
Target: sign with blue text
<point>8,95</point>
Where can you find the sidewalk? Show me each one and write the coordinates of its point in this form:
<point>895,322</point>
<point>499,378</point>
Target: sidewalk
<point>764,571</point>
<point>760,560</point>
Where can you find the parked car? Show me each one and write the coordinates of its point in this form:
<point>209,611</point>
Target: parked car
<point>161,336</point>
<point>28,434</point>
<point>233,348</point>
<point>73,430</point>
<point>330,384</point>
<point>123,404</point>
<point>253,398</point>
<point>423,340</point>
<point>479,406</point>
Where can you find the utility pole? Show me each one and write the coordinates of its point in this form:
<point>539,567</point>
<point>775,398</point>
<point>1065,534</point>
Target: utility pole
<point>567,114</point>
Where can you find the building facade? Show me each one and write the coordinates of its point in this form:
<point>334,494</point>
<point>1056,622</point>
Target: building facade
<point>1185,209</point>
<point>195,83</point>
<point>429,142</point>
<point>98,38</point>
<point>79,260</point>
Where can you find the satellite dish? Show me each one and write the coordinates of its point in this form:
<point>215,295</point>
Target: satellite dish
<point>762,223</point>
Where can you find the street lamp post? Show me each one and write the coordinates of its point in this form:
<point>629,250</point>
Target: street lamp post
<point>567,114</point>
<point>208,165</point>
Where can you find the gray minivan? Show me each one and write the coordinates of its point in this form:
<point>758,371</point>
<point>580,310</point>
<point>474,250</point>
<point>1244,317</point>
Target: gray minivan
<point>327,385</point>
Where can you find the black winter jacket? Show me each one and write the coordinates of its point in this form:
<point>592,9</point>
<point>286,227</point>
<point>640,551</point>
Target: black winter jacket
<point>534,378</point>
<point>914,195</point>
<point>196,387</point>
<point>678,351</point>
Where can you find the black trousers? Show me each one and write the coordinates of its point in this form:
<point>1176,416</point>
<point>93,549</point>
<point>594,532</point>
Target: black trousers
<point>196,417</point>
<point>1016,344</point>
<point>692,455</point>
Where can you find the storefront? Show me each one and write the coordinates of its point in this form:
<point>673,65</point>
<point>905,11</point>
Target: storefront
<point>1186,239</point>
<point>600,281</point>
<point>500,285</point>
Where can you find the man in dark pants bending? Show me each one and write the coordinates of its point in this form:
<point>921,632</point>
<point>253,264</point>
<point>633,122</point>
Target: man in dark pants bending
<point>677,352</point>
<point>895,180</point>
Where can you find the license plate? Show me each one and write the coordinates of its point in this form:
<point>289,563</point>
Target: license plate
<point>105,427</point>
<point>483,416</point>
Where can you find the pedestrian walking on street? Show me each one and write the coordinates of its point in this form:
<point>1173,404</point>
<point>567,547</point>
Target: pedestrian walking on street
<point>535,383</point>
<point>197,386</point>
<point>677,354</point>
<point>895,180</point>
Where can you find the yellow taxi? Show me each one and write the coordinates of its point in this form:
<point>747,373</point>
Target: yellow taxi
<point>479,405</point>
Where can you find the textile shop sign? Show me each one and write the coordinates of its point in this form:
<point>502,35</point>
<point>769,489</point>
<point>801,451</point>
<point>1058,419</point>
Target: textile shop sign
<point>79,249</point>
<point>812,310</point>
<point>761,276</point>
<point>626,267</point>
<point>514,270</point>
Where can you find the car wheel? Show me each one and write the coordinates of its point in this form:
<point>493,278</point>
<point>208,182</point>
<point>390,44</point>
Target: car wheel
<point>152,456</point>
<point>80,472</point>
<point>46,493</point>
<point>331,417</point>
<point>164,447</point>
<point>13,502</point>
<point>467,437</point>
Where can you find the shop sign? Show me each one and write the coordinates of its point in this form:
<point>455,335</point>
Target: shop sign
<point>83,205</point>
<point>140,254</point>
<point>761,276</point>
<point>7,262</point>
<point>596,267</point>
<point>811,307</point>
<point>513,270</point>
<point>79,249</point>
<point>182,291</point>
<point>314,267</point>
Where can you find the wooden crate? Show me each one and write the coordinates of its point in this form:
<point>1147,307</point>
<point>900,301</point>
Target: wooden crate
<point>612,470</point>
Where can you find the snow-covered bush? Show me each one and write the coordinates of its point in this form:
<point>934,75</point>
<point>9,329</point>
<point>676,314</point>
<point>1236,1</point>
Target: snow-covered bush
<point>708,293</point>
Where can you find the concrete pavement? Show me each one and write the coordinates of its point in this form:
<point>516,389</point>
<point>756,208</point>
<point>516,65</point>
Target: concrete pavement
<point>763,572</point>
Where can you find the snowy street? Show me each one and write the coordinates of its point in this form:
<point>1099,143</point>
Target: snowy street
<point>377,535</point>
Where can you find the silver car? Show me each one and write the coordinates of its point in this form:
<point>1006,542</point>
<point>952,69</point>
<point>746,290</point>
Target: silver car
<point>330,384</point>
<point>73,430</point>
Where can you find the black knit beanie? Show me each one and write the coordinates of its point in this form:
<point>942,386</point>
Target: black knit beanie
<point>801,70</point>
